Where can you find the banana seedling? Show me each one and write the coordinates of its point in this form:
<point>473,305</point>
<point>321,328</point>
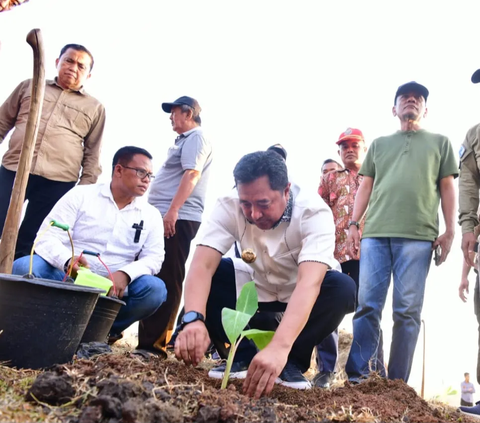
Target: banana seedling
<point>235,321</point>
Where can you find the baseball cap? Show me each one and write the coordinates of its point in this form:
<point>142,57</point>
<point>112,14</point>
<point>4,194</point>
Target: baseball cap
<point>350,134</point>
<point>189,101</point>
<point>409,87</point>
<point>476,76</point>
<point>278,148</point>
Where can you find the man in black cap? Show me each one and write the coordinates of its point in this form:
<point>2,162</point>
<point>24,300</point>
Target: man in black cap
<point>178,192</point>
<point>405,176</point>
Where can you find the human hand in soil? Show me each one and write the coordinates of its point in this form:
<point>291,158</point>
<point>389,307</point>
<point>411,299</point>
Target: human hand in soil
<point>263,371</point>
<point>192,342</point>
<point>445,242</point>
<point>78,264</point>
<point>121,281</point>
<point>169,221</point>
<point>468,244</point>
<point>353,242</point>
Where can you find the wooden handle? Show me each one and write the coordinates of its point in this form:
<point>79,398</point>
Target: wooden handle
<point>14,214</point>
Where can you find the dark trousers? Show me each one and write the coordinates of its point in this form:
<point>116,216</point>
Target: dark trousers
<point>327,350</point>
<point>154,332</point>
<point>352,269</point>
<point>42,194</point>
<point>465,403</point>
<point>336,299</point>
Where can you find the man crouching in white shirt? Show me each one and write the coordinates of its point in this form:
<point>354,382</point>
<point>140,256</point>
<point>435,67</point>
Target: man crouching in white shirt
<point>291,238</point>
<point>111,220</point>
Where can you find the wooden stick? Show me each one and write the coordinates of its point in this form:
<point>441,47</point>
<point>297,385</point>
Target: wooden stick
<point>14,214</point>
<point>422,390</point>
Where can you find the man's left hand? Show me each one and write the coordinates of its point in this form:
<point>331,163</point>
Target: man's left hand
<point>120,281</point>
<point>263,371</point>
<point>445,241</point>
<point>169,221</point>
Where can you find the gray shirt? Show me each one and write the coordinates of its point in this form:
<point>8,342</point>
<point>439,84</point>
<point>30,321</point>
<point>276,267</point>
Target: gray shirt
<point>191,151</point>
<point>467,391</point>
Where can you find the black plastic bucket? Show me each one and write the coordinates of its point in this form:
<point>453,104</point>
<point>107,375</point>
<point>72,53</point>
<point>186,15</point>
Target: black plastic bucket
<point>42,320</point>
<point>102,318</point>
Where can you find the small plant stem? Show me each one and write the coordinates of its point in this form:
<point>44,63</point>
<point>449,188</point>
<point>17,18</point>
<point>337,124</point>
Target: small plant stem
<point>228,367</point>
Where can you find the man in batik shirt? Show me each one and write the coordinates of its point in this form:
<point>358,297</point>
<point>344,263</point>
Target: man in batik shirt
<point>338,188</point>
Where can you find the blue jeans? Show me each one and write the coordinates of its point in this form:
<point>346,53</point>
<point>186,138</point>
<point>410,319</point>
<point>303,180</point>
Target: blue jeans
<point>409,262</point>
<point>327,352</point>
<point>144,296</point>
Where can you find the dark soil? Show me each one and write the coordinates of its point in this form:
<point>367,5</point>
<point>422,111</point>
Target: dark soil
<point>123,388</point>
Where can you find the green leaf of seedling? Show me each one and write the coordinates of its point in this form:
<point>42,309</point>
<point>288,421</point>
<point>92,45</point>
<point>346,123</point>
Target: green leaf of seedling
<point>233,323</point>
<point>247,301</point>
<point>261,337</point>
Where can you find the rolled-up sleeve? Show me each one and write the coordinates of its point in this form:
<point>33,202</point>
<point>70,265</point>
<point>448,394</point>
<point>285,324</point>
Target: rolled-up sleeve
<point>10,108</point>
<point>91,168</point>
<point>220,230</point>
<point>318,237</point>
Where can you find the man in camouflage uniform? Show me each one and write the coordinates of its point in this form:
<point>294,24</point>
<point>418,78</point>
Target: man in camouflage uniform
<point>469,185</point>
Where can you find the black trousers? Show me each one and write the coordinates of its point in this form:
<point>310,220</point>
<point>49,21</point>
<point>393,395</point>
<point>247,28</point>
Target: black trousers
<point>155,331</point>
<point>42,194</point>
<point>336,299</point>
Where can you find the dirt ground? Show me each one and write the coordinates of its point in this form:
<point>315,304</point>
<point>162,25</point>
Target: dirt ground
<point>119,387</point>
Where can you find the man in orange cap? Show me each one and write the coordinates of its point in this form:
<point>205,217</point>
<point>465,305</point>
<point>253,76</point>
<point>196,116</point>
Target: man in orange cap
<point>338,189</point>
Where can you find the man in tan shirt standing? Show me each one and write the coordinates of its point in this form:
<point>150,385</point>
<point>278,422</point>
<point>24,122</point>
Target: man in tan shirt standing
<point>67,146</point>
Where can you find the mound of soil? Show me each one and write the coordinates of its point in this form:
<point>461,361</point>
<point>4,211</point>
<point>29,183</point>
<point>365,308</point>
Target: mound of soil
<point>120,387</point>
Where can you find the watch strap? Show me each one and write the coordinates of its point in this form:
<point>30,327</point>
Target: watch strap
<point>199,316</point>
<point>354,222</point>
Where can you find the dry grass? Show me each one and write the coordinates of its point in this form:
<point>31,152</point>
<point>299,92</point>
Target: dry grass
<point>15,383</point>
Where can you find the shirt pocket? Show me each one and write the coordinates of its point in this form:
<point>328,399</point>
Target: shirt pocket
<point>174,157</point>
<point>75,120</point>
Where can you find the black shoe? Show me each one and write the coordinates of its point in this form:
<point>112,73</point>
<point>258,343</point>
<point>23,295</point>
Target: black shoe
<point>292,377</point>
<point>148,354</point>
<point>323,379</point>
<point>238,370</point>
<point>114,337</point>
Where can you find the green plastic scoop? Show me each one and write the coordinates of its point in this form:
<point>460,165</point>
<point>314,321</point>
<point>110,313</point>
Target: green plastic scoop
<point>87,278</point>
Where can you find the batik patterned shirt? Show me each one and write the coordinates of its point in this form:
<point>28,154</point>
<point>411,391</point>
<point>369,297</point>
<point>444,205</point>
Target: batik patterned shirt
<point>338,189</point>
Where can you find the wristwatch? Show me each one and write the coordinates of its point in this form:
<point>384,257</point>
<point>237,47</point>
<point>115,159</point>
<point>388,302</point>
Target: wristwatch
<point>190,317</point>
<point>353,222</point>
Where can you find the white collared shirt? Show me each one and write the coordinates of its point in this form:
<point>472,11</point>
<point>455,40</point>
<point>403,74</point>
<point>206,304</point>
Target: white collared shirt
<point>309,236</point>
<point>97,224</point>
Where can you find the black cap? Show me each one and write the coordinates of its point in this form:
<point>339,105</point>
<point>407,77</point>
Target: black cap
<point>278,148</point>
<point>409,87</point>
<point>189,101</point>
<point>476,76</point>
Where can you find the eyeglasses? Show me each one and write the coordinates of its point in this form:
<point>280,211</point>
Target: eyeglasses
<point>141,173</point>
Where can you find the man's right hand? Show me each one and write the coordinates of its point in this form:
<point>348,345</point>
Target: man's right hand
<point>80,263</point>
<point>463,289</point>
<point>468,244</point>
<point>353,242</point>
<point>192,342</point>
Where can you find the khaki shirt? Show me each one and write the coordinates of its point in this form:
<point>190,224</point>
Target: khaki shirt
<point>308,236</point>
<point>469,181</point>
<point>69,134</point>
